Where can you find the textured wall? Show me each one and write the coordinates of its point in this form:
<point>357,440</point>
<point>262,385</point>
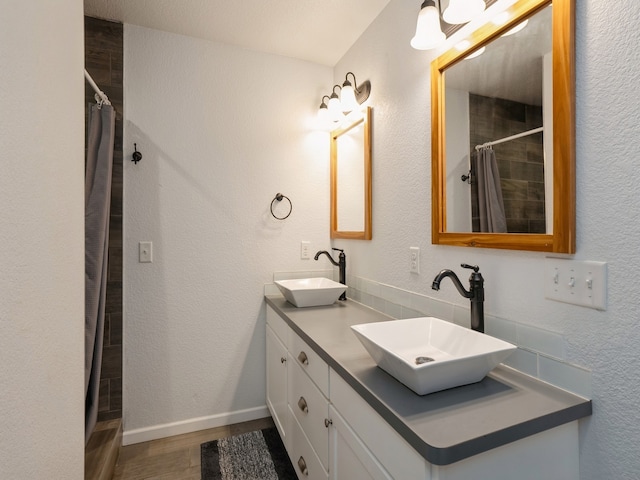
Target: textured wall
<point>608,211</point>
<point>42,239</point>
<point>221,130</point>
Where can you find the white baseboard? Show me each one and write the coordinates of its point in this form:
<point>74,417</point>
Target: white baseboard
<point>146,434</point>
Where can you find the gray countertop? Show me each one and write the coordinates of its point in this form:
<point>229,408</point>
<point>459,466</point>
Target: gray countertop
<point>444,427</point>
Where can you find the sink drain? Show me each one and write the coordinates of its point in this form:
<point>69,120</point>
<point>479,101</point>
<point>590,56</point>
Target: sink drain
<point>421,360</point>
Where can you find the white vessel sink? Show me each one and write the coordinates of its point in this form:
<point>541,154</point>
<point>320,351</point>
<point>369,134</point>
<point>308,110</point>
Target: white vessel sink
<point>452,355</point>
<point>310,292</point>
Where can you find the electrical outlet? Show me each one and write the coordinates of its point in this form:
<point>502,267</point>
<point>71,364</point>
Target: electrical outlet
<point>577,282</point>
<point>305,250</point>
<point>414,260</point>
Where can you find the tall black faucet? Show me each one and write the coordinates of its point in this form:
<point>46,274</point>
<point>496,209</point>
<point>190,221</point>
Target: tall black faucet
<point>475,293</point>
<point>341,264</point>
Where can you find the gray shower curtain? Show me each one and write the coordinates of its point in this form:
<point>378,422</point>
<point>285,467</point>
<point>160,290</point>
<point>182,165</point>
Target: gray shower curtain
<point>490,203</point>
<point>97,201</point>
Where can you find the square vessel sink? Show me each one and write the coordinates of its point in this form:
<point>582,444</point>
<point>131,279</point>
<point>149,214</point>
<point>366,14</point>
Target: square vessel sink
<point>428,354</point>
<point>310,292</point>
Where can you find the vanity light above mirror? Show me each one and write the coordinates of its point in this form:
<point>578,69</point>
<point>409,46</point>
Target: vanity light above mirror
<point>347,100</point>
<point>430,33</point>
<point>349,123</point>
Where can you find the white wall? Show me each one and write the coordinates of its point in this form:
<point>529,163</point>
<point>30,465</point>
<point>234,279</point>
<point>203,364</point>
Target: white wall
<point>608,211</point>
<point>42,239</point>
<point>222,130</point>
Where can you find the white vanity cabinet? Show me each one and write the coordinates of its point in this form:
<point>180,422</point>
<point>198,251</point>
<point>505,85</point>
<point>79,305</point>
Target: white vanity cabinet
<point>299,403</point>
<point>331,431</point>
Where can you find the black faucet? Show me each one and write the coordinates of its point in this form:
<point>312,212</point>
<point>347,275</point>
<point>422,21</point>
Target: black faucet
<point>475,293</point>
<point>341,264</point>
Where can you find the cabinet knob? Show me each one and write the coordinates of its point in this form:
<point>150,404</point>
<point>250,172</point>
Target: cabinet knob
<point>303,358</point>
<point>328,422</point>
<point>302,404</point>
<point>283,360</point>
<point>302,465</point>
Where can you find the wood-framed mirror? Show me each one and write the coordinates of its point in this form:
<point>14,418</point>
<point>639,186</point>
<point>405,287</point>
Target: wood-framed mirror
<point>521,125</point>
<point>351,179</point>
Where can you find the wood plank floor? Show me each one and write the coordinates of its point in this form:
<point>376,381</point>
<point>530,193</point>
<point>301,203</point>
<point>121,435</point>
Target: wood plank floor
<point>175,458</point>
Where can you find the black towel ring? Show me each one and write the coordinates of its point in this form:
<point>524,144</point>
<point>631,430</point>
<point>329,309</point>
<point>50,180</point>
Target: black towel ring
<point>279,198</point>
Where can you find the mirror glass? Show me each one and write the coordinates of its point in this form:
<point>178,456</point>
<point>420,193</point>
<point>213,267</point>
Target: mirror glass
<point>490,99</point>
<point>503,133</point>
<point>351,179</point>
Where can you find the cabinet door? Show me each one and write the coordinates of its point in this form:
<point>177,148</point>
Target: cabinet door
<point>349,458</point>
<point>310,408</point>
<point>277,383</point>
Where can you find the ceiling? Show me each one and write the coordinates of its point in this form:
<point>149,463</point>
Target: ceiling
<point>319,31</point>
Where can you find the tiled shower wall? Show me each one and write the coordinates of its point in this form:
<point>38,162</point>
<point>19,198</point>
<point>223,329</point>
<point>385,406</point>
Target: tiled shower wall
<point>520,161</point>
<point>104,62</point>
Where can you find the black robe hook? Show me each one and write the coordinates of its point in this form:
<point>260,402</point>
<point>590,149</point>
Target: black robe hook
<point>137,156</point>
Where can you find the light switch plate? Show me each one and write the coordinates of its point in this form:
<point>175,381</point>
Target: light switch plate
<point>577,282</point>
<point>145,252</point>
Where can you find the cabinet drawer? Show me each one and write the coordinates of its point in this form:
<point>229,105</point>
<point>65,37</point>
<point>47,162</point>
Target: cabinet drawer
<point>311,409</point>
<point>305,461</point>
<point>280,327</point>
<point>311,363</point>
<point>391,450</point>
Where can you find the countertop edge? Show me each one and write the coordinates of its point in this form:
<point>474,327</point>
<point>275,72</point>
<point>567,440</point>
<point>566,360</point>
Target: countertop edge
<point>438,455</point>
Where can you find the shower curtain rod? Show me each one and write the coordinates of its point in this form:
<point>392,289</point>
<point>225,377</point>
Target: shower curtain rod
<point>99,93</point>
<point>512,137</point>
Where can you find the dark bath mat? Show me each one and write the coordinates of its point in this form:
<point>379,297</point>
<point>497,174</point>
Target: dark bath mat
<point>258,455</point>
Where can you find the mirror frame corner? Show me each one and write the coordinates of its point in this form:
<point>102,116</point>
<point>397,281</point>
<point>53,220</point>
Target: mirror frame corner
<point>563,238</point>
<point>365,234</point>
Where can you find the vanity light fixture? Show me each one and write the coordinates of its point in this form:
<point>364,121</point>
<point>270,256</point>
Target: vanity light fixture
<point>429,33</point>
<point>351,97</point>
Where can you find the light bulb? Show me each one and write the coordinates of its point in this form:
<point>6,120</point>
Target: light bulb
<point>335,109</point>
<point>428,32</point>
<point>323,114</point>
<point>348,97</point>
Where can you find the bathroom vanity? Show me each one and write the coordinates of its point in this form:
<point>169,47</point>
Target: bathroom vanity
<point>342,417</point>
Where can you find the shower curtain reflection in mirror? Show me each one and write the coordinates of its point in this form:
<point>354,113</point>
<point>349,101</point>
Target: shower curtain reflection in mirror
<point>487,192</point>
<point>99,161</point>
